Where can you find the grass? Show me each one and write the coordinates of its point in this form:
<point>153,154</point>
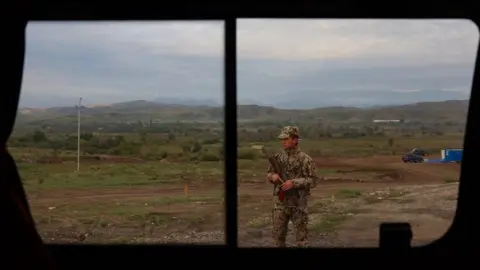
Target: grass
<point>64,176</point>
<point>259,222</point>
<point>327,215</point>
<point>127,206</point>
<point>450,180</point>
<point>348,194</point>
<point>117,175</point>
<point>392,194</point>
<point>329,223</point>
<point>367,146</point>
<point>143,215</point>
<point>339,147</point>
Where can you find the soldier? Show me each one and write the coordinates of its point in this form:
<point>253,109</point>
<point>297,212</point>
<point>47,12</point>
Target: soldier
<point>300,170</point>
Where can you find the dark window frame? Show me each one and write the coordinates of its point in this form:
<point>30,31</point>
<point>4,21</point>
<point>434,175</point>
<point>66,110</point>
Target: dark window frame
<point>462,231</point>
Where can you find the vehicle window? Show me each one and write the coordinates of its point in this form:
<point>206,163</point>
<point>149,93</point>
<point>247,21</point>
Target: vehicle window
<point>361,95</point>
<point>145,163</point>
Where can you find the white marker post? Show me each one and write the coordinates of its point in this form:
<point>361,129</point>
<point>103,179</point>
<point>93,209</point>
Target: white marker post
<point>79,107</point>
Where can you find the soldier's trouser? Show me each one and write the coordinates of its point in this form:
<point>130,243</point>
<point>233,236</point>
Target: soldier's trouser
<point>282,214</point>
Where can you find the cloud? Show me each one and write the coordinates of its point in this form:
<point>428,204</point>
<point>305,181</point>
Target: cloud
<point>436,41</point>
<point>107,62</point>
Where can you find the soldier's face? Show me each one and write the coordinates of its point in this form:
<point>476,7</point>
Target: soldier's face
<point>288,143</point>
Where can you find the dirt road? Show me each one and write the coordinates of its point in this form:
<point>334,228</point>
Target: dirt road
<point>380,188</point>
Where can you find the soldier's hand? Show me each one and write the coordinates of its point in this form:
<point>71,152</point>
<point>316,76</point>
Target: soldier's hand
<point>275,178</point>
<point>287,185</point>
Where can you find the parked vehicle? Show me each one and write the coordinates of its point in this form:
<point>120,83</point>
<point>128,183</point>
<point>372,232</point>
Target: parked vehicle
<point>419,152</point>
<point>412,158</point>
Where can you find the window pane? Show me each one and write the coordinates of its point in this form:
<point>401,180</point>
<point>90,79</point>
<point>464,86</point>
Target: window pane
<point>150,159</point>
<point>380,107</point>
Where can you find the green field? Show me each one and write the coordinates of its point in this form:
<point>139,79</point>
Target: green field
<point>164,182</point>
<point>113,173</point>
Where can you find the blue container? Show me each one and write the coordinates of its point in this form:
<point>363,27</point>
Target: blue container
<point>452,155</point>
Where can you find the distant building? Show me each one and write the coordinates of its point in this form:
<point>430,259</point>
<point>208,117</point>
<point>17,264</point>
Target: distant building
<point>387,121</point>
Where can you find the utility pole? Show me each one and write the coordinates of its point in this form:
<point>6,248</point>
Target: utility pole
<point>79,107</point>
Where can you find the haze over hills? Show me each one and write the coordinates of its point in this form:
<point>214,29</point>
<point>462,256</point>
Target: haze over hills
<point>451,110</point>
<point>364,98</point>
<point>302,99</point>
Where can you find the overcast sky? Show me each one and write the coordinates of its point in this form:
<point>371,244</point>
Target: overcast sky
<point>289,63</point>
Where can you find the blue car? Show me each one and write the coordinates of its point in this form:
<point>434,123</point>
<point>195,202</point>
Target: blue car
<point>412,158</point>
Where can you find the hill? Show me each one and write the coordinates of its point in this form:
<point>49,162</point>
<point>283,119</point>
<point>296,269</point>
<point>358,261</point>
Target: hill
<point>141,110</point>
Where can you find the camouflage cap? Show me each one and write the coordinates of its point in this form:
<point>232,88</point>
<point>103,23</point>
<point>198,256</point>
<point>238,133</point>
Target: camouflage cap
<point>289,131</point>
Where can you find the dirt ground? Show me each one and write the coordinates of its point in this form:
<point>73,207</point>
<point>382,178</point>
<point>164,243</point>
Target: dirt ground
<point>346,208</point>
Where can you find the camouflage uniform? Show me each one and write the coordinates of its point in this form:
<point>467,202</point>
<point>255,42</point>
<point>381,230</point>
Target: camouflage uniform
<point>300,168</point>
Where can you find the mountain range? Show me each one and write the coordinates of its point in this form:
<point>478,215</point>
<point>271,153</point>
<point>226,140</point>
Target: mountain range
<point>450,110</point>
<point>303,99</point>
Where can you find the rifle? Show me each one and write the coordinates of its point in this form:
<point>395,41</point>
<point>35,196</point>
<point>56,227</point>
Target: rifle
<point>289,193</point>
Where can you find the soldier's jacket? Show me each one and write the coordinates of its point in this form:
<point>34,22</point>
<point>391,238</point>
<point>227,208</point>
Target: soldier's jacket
<point>299,167</point>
